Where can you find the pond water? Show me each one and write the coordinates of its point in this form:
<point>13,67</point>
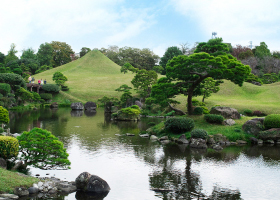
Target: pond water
<point>139,169</point>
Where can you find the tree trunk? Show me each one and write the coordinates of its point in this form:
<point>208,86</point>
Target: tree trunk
<point>190,94</point>
<point>177,110</point>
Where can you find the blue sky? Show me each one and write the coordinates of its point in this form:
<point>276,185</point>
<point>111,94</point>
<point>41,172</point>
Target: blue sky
<point>139,23</point>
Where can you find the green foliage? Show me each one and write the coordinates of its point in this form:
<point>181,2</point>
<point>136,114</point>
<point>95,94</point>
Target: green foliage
<point>127,67</point>
<point>9,147</point>
<point>59,78</point>
<point>129,112</point>
<point>205,110</point>
<point>209,86</point>
<point>51,88</point>
<point>46,96</point>
<point>24,94</point>
<point>170,53</point>
<point>171,113</point>
<point>178,125</point>
<point>4,115</point>
<point>212,118</point>
<point>1,130</point>
<point>11,54</point>
<point>14,80</point>
<point>61,53</point>
<point>272,121</point>
<point>36,96</point>
<point>106,99</point>
<point>43,150</point>
<point>245,54</point>
<point>198,111</point>
<point>158,69</point>
<point>248,112</point>
<point>84,51</point>
<point>64,88</point>
<point>5,88</point>
<point>43,68</point>
<point>253,78</point>
<point>44,54</point>
<point>199,133</point>
<point>195,102</point>
<point>262,50</point>
<point>2,58</point>
<point>269,78</point>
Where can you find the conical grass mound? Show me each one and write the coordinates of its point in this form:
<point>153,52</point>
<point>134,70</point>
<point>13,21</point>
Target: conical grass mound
<point>90,77</point>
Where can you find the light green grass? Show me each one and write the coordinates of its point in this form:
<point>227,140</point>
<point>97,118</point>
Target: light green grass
<point>10,180</point>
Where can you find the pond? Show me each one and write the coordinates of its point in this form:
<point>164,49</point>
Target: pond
<point>139,169</point>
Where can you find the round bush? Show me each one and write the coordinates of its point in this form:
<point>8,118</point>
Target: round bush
<point>198,111</point>
<point>179,125</point>
<point>64,88</point>
<point>9,147</point>
<point>205,110</point>
<point>212,118</point>
<point>272,121</point>
<point>199,133</point>
<point>258,113</point>
<point>46,96</point>
<point>52,88</point>
<point>248,112</point>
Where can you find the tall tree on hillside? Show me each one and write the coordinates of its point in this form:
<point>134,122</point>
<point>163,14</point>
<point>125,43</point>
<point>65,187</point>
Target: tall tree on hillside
<point>11,54</point>
<point>186,73</point>
<point>170,53</point>
<point>44,54</point>
<point>262,50</point>
<point>61,53</point>
<point>28,54</point>
<point>84,51</point>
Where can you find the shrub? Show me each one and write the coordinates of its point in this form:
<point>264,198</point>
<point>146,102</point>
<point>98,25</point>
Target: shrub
<point>258,113</point>
<point>199,133</point>
<point>129,112</point>
<point>212,118</point>
<point>36,96</point>
<point>51,88</point>
<point>14,80</point>
<point>151,123</point>
<point>64,88</point>
<point>1,130</point>
<point>198,111</point>
<point>171,113</point>
<point>9,147</point>
<point>24,94</point>
<point>205,110</point>
<point>272,121</point>
<point>248,112</point>
<point>1,96</point>
<point>5,88</point>
<point>195,102</point>
<point>4,115</point>
<point>10,95</point>
<point>46,96</point>
<point>179,124</point>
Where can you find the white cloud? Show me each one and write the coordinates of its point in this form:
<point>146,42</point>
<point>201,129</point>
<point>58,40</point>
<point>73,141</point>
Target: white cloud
<point>236,21</point>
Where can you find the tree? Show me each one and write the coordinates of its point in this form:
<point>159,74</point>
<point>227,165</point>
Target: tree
<point>4,116</point>
<point>28,54</point>
<point>2,58</point>
<point>59,78</point>
<point>43,150</point>
<point>11,54</point>
<point>158,69</point>
<point>61,53</point>
<point>185,48</point>
<point>170,53</point>
<point>239,49</point>
<point>84,51</point>
<point>209,85</point>
<point>186,73</point>
<point>262,50</point>
<point>126,96</point>
<point>44,54</point>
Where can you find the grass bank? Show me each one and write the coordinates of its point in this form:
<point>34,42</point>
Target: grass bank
<point>10,180</point>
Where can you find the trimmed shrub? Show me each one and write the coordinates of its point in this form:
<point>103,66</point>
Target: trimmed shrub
<point>198,111</point>
<point>46,96</point>
<point>212,118</point>
<point>272,121</point>
<point>258,113</point>
<point>52,88</point>
<point>195,102</point>
<point>248,112</point>
<point>9,147</point>
<point>179,124</point>
<point>199,133</point>
<point>205,110</point>
<point>5,88</point>
<point>171,113</point>
<point>14,80</point>
<point>4,115</point>
<point>36,96</point>
<point>64,88</point>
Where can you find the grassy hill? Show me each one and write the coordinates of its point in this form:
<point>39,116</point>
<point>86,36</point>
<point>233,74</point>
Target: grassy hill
<point>90,77</point>
<point>94,76</point>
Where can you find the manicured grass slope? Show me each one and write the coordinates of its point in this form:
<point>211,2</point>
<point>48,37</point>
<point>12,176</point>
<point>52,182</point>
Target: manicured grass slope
<point>90,77</point>
<point>265,98</point>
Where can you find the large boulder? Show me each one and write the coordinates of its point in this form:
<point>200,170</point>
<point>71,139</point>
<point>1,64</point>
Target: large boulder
<point>21,191</point>
<point>270,134</point>
<point>226,112</point>
<point>77,106</point>
<point>90,105</point>
<point>91,183</point>
<point>198,143</point>
<point>3,163</point>
<point>253,126</point>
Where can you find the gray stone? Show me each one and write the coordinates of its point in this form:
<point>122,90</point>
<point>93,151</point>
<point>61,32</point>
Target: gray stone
<point>253,140</point>
<point>219,138</point>
<point>9,196</point>
<point>144,135</point>
<point>210,140</point>
<point>226,112</point>
<point>90,105</point>
<point>217,147</point>
<point>82,180</point>
<point>21,191</point>
<point>129,134</point>
<point>198,143</point>
<point>77,106</point>
<point>3,163</point>
<point>40,184</point>
<point>33,190</point>
<point>97,184</point>
<point>270,134</point>
<point>229,122</point>
<point>241,142</point>
<point>269,142</point>
<point>163,138</point>
<point>153,137</point>
<point>253,126</point>
<point>182,139</point>
<point>53,191</point>
<point>260,141</point>
<point>165,141</point>
<point>54,105</point>
<point>139,104</point>
<point>228,143</point>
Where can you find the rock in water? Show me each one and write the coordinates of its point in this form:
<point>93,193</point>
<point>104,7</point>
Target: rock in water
<point>90,105</point>
<point>91,183</point>
<point>77,106</point>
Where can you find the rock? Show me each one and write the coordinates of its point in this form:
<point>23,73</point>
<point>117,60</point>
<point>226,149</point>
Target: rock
<point>9,196</point>
<point>139,104</point>
<point>91,183</point>
<point>226,112</point>
<point>129,134</point>
<point>40,184</point>
<point>241,142</point>
<point>233,143</point>
<point>210,140</point>
<point>165,141</point>
<point>269,142</point>
<point>33,190</point>
<point>270,134</point>
<point>256,83</point>
<point>253,140</point>
<point>76,113</point>
<point>17,165</point>
<point>163,138</point>
<point>253,126</point>
<point>229,122</point>
<point>217,147</point>
<point>53,191</point>
<point>3,163</point>
<point>144,135</point>
<point>21,191</point>
<point>90,105</point>
<point>260,142</point>
<point>66,187</point>
<point>54,105</point>
<point>108,107</point>
<point>219,138</point>
<point>90,196</point>
<point>277,141</point>
<point>198,143</point>
<point>77,106</point>
<point>182,139</point>
<point>153,137</point>
<point>90,113</point>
